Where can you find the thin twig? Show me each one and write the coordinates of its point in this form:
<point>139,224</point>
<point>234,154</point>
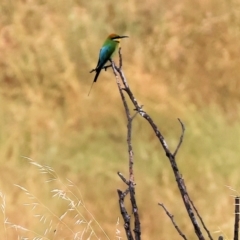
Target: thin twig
<point>173,222</point>
<point>120,58</point>
<point>125,193</point>
<point>123,178</point>
<point>181,138</point>
<point>200,218</point>
<point>129,126</point>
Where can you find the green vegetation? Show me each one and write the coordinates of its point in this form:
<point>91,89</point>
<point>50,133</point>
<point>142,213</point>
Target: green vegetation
<point>181,61</point>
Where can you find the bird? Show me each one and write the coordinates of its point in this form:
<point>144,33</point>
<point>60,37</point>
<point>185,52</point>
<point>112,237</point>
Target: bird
<point>110,45</point>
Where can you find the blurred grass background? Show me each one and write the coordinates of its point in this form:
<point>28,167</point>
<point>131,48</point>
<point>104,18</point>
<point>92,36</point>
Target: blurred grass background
<point>181,60</point>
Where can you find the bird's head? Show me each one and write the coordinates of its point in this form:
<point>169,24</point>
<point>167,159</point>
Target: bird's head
<point>116,37</point>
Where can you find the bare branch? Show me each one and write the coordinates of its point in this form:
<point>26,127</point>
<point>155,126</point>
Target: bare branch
<point>123,178</point>
<point>129,125</point>
<point>181,138</point>
<point>126,217</point>
<point>236,222</point>
<point>131,184</point>
<point>201,220</point>
<point>120,58</point>
<point>126,192</point>
<point>137,225</point>
<point>171,217</point>
<point>170,156</point>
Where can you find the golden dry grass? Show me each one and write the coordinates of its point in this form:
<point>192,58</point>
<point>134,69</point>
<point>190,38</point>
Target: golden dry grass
<point>181,60</point>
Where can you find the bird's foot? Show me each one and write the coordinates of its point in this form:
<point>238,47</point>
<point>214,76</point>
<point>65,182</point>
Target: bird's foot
<point>106,67</point>
<point>93,70</point>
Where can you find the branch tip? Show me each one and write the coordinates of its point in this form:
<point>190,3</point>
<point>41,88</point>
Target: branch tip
<point>181,138</point>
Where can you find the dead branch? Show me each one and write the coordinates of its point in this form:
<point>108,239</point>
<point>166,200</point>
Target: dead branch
<point>236,222</point>
<point>181,138</point>
<point>200,218</point>
<point>131,184</point>
<point>123,178</point>
<point>183,190</point>
<point>126,217</point>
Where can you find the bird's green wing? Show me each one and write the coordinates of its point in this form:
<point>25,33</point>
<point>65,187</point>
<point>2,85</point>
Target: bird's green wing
<point>104,55</point>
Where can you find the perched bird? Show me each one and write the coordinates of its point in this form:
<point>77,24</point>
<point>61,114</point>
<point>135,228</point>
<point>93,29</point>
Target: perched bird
<point>110,45</point>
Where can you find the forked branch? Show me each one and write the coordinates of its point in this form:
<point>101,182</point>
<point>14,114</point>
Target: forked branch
<point>171,156</point>
<point>130,182</point>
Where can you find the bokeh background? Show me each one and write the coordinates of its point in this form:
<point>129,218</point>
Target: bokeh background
<point>181,61</point>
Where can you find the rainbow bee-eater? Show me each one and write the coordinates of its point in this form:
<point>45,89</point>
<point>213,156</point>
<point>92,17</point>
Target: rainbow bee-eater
<point>110,45</point>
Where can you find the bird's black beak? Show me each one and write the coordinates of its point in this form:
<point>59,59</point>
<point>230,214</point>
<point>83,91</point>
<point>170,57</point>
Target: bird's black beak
<point>123,36</point>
